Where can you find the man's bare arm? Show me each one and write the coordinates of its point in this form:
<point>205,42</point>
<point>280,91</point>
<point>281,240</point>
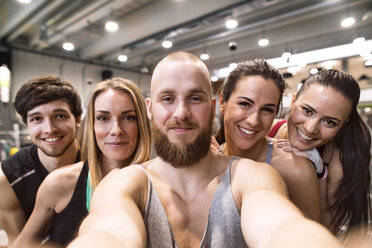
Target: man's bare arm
<point>269,219</point>
<point>12,216</point>
<point>115,217</point>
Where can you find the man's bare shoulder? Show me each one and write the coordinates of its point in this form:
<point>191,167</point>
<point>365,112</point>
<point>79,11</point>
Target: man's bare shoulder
<point>252,175</point>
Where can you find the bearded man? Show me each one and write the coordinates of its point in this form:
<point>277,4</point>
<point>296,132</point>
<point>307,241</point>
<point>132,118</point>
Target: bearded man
<point>189,196</point>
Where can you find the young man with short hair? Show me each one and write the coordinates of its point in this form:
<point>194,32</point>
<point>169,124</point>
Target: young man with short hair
<point>51,109</point>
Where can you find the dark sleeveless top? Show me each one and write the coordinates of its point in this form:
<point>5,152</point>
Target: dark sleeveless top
<point>67,222</point>
<point>223,229</point>
<point>25,173</point>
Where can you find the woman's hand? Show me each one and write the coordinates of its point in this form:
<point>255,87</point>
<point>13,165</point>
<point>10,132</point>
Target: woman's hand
<point>312,155</point>
<point>214,145</point>
<point>286,146</point>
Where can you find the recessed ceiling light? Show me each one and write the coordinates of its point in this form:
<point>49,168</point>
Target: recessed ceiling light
<point>204,56</point>
<point>167,44</point>
<point>68,46</point>
<point>122,58</point>
<point>263,42</point>
<point>24,1</point>
<point>111,26</point>
<point>231,23</point>
<point>347,22</point>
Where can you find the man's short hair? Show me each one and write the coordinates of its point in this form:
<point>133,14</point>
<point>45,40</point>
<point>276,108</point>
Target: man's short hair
<point>46,89</point>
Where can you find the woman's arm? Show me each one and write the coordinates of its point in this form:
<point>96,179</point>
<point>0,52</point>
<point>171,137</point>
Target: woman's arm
<point>40,220</point>
<point>302,182</point>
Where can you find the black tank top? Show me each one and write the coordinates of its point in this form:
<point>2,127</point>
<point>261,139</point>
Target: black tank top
<point>25,173</point>
<point>67,222</point>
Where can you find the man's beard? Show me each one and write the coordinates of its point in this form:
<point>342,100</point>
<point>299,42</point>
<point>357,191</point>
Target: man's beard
<point>184,155</point>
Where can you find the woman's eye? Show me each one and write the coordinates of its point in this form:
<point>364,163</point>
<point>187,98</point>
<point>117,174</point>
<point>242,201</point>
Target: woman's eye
<point>307,111</point>
<point>330,123</point>
<point>101,118</point>
<point>269,110</point>
<point>129,118</point>
<point>244,104</point>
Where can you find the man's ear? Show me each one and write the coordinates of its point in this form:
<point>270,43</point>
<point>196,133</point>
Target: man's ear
<point>78,121</point>
<point>148,107</point>
<point>222,104</point>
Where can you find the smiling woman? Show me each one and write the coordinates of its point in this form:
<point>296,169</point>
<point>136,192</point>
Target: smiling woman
<point>114,134</point>
<point>250,100</point>
<point>324,115</point>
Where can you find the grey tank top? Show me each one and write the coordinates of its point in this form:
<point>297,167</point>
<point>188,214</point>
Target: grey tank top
<point>269,152</point>
<point>223,228</point>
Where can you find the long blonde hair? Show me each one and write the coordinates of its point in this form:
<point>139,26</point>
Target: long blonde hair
<point>89,148</point>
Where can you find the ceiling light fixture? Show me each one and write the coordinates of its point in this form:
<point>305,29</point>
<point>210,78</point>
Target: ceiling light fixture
<point>263,42</point>
<point>204,56</point>
<point>68,46</point>
<point>122,58</point>
<point>24,1</point>
<point>231,23</point>
<point>347,22</point>
<point>111,26</point>
<point>167,44</point>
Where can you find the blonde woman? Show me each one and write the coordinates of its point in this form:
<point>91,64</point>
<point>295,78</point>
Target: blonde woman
<point>115,133</point>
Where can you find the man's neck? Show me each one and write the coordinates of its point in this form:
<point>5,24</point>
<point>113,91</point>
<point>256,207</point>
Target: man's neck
<point>187,181</point>
<point>68,157</point>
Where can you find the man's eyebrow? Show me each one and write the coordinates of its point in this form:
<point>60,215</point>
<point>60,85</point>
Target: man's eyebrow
<point>54,111</point>
<point>170,91</point>
<point>198,90</point>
